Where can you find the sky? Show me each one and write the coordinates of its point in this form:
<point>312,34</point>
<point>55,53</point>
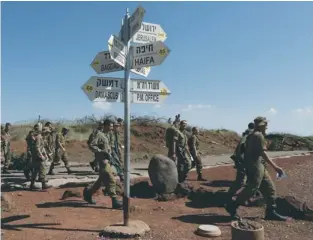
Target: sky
<point>229,61</point>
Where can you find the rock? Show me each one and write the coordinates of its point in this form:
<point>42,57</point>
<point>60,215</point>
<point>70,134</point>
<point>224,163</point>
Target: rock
<point>6,202</point>
<point>69,193</point>
<point>163,174</point>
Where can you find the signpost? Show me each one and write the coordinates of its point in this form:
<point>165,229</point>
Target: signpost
<point>151,51</point>
<point>149,32</point>
<point>149,54</point>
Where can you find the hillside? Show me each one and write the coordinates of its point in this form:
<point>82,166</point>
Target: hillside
<point>147,138</point>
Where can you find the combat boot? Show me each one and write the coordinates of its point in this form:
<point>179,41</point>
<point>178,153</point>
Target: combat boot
<point>32,186</point>
<point>44,185</point>
<point>27,174</point>
<point>116,204</point>
<point>271,214</point>
<point>231,207</point>
<point>92,165</point>
<point>51,171</point>
<point>200,178</point>
<point>69,171</point>
<point>88,197</point>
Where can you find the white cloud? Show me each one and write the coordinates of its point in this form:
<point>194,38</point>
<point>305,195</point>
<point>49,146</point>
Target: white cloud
<point>105,106</point>
<point>191,107</point>
<point>272,111</point>
<point>305,110</point>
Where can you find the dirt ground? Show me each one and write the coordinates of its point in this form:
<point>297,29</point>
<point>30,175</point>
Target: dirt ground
<point>42,215</point>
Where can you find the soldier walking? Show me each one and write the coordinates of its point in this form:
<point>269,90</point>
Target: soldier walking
<point>60,151</point>
<point>39,158</point>
<point>258,178</point>
<point>94,163</point>
<point>102,149</point>
<point>193,144</point>
<point>6,147</point>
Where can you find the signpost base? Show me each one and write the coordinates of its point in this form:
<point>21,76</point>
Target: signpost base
<point>134,229</point>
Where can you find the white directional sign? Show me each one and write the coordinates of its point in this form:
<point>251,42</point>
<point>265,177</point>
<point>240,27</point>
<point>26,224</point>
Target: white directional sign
<point>152,86</point>
<point>135,20</point>
<point>103,63</point>
<point>149,32</point>
<point>110,89</point>
<point>117,50</point>
<point>149,54</point>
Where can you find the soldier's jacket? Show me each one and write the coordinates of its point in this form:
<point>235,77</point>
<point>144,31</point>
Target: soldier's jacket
<point>193,144</point>
<point>110,136</point>
<point>60,140</point>
<point>38,147</point>
<point>182,139</point>
<point>117,143</point>
<point>100,144</point>
<point>255,145</point>
<point>238,155</point>
<point>52,141</point>
<point>92,136</point>
<point>29,140</point>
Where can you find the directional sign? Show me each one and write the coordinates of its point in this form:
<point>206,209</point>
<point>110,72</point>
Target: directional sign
<point>149,32</point>
<point>148,97</point>
<point>152,86</point>
<point>103,63</point>
<point>149,54</point>
<point>135,20</point>
<point>117,50</point>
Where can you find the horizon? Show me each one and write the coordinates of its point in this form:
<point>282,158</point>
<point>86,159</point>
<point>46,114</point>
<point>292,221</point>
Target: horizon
<point>229,62</point>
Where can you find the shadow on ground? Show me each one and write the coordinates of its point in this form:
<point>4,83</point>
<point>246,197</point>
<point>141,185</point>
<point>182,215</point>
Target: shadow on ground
<point>69,203</point>
<point>218,183</point>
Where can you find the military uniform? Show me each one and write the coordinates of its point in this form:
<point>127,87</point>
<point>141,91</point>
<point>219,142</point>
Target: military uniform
<point>6,149</point>
<point>193,143</point>
<point>183,159</point>
<point>102,149</point>
<point>28,165</point>
<point>117,155</point>
<point>170,137</point>
<point>94,164</point>
<point>38,160</point>
<point>60,154</point>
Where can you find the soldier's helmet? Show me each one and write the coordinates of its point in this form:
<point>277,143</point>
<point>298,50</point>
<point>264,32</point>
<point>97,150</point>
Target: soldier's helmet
<point>260,121</point>
<point>46,130</point>
<point>251,125</point>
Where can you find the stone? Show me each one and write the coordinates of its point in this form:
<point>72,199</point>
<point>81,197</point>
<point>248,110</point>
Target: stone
<point>163,174</point>
<point>209,231</point>
<point>134,229</point>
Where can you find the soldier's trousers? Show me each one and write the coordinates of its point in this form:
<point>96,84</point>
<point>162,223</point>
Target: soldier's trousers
<point>106,178</point>
<point>258,179</point>
<point>183,166</point>
<point>60,155</point>
<point>239,182</point>
<point>199,166</point>
<point>38,167</point>
<point>28,165</point>
<point>7,158</point>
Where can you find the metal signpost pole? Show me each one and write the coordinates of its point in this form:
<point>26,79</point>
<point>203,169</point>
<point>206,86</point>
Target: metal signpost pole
<point>126,34</point>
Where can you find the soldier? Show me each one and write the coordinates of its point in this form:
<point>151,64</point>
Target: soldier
<point>193,144</point>
<point>170,136</point>
<point>182,154</point>
<point>38,159</point>
<point>6,147</point>
<point>30,139</point>
<point>60,150</point>
<point>257,175</point>
<point>102,149</point>
<point>120,121</point>
<point>94,163</point>
<point>238,158</point>
<point>51,141</point>
<point>117,150</point>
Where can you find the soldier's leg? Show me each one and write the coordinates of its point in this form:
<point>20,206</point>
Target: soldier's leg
<point>239,181</point>
<point>7,161</point>
<point>56,160</point>
<point>64,158</point>
<point>28,167</point>
<point>199,168</point>
<point>110,185</point>
<point>42,174</point>
<point>35,171</point>
<point>254,179</point>
<point>92,189</point>
<point>180,170</point>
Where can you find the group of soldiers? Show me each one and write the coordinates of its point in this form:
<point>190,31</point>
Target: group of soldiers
<point>183,149</point>
<point>250,160</point>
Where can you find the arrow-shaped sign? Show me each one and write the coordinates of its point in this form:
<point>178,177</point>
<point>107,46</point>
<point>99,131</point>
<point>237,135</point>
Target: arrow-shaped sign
<point>117,50</point>
<point>149,54</point>
<point>135,20</point>
<point>149,32</point>
<point>111,89</point>
<point>103,63</point>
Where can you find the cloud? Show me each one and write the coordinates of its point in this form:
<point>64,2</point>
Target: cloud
<point>272,111</point>
<point>157,105</point>
<point>191,107</point>
<point>305,110</point>
<point>105,106</point>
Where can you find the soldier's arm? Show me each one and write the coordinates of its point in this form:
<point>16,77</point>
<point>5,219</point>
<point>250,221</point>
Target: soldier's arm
<point>58,139</point>
<point>38,147</point>
<point>261,143</point>
<point>193,148</point>
<point>94,144</point>
<point>174,142</point>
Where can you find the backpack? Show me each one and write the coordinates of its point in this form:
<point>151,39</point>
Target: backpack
<point>169,135</point>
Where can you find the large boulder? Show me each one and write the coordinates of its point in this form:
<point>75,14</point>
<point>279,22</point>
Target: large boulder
<point>163,174</point>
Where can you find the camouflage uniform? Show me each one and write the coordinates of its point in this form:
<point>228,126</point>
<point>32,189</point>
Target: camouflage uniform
<point>193,143</point>
<point>170,137</point>
<point>38,160</point>
<point>183,159</point>
<point>102,149</point>
<point>59,153</point>
<point>6,148</point>
<point>28,165</point>
<point>117,162</point>
<point>94,164</point>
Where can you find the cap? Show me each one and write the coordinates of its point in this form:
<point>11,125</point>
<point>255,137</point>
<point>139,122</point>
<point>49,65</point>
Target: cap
<point>183,122</point>
<point>260,121</point>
